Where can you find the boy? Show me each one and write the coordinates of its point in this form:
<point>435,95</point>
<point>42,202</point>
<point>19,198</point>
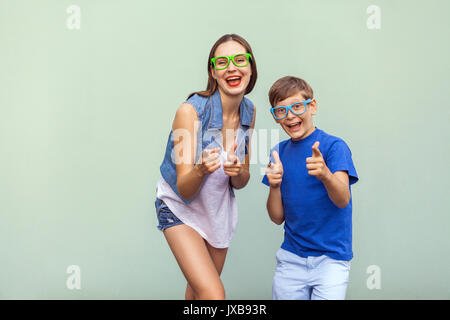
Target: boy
<point>309,178</point>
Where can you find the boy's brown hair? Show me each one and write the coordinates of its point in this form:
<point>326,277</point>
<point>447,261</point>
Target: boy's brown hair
<point>287,86</point>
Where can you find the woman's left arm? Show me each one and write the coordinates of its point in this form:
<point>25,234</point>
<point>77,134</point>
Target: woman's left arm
<point>241,174</point>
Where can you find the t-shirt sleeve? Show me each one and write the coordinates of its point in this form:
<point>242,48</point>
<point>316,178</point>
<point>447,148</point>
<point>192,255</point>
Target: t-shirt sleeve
<point>265,180</point>
<point>339,158</point>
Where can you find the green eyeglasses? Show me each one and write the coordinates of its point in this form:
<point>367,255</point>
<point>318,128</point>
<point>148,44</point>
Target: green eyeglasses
<point>239,60</point>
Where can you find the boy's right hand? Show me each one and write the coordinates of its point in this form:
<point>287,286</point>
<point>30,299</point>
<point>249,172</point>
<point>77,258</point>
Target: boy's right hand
<point>210,161</point>
<point>274,171</point>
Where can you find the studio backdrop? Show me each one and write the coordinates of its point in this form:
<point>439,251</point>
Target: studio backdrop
<point>88,92</point>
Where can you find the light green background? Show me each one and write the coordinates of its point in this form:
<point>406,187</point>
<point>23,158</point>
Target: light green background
<point>85,115</point>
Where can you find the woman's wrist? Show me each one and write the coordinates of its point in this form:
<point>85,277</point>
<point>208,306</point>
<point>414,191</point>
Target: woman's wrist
<point>241,180</point>
<point>198,171</point>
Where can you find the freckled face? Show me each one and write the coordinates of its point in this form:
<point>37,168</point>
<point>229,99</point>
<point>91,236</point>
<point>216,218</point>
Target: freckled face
<point>233,80</point>
<point>298,127</point>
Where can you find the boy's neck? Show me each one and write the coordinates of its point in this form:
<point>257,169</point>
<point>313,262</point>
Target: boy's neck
<point>307,134</point>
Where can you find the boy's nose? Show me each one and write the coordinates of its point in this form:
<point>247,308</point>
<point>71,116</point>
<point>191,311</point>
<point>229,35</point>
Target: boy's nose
<point>290,115</point>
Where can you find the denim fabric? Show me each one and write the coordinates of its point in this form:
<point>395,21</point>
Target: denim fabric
<point>311,278</point>
<point>166,218</point>
<point>210,124</point>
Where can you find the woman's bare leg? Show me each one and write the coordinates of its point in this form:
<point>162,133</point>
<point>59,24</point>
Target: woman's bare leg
<point>218,256</point>
<point>196,262</point>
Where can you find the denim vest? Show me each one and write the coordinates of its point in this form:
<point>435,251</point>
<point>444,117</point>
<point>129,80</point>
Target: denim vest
<point>209,136</point>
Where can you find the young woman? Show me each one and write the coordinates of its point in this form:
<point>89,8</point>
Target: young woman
<point>207,156</point>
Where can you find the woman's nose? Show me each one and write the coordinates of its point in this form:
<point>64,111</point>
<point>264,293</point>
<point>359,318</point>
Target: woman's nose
<point>231,66</point>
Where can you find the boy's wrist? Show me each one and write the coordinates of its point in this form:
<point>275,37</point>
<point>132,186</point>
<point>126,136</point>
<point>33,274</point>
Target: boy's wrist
<point>327,177</point>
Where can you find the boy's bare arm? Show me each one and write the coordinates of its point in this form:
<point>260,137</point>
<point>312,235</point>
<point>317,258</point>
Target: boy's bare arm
<point>275,205</point>
<point>337,188</point>
<point>274,173</point>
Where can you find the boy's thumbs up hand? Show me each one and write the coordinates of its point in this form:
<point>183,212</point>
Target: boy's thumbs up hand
<point>316,164</point>
<point>276,157</point>
<point>315,150</point>
<point>274,171</point>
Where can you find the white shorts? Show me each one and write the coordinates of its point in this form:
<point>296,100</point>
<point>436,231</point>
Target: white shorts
<point>311,278</point>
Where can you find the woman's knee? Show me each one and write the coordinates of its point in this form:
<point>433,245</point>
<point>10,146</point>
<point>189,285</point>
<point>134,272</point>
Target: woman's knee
<point>190,294</point>
<point>212,292</point>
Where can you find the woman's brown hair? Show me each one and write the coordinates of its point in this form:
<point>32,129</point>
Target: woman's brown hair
<point>211,86</point>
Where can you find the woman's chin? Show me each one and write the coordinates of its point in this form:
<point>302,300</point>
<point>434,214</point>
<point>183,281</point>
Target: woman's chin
<point>238,90</point>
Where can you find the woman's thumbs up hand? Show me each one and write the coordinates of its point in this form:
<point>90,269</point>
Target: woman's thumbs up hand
<point>232,167</point>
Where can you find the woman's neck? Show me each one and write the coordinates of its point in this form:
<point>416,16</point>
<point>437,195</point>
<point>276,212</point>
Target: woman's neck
<point>230,105</point>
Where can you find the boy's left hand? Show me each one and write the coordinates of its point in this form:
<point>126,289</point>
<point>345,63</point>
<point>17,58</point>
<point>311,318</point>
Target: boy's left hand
<point>316,165</point>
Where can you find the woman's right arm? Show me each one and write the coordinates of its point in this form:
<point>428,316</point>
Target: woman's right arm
<point>189,175</point>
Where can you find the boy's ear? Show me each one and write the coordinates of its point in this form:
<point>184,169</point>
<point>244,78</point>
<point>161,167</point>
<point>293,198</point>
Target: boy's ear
<point>313,106</point>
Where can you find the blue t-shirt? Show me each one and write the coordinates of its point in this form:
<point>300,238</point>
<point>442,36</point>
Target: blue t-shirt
<point>313,224</point>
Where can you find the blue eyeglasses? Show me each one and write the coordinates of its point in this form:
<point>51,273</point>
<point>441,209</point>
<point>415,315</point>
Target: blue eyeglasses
<point>296,108</point>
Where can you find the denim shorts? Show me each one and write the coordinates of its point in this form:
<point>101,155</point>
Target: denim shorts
<point>166,218</point>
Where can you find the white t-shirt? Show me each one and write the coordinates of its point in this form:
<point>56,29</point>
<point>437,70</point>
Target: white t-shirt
<point>212,213</point>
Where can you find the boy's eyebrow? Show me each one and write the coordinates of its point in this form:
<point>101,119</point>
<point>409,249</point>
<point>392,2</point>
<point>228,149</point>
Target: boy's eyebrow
<point>292,103</point>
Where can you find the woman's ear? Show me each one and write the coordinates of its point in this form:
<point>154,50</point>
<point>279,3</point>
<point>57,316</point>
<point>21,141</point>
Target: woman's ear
<point>213,72</point>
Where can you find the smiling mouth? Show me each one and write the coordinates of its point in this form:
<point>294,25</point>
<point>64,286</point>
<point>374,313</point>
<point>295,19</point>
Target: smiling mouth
<point>294,126</point>
<point>233,81</point>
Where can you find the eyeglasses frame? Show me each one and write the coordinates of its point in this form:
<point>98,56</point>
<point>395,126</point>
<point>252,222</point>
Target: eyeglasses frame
<point>248,55</point>
<point>306,102</point>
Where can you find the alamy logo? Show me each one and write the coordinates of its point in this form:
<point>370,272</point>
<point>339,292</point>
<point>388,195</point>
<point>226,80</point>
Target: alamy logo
<point>74,280</point>
<point>374,20</point>
<point>374,280</point>
<point>260,144</point>
<point>74,19</point>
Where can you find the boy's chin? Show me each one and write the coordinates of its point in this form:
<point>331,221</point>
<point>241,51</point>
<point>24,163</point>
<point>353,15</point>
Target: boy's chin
<point>295,135</point>
<point>298,135</point>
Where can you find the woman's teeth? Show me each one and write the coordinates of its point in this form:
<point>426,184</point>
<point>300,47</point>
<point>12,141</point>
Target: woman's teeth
<point>234,81</point>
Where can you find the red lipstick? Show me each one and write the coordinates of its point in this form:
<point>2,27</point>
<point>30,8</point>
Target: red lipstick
<point>235,82</point>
